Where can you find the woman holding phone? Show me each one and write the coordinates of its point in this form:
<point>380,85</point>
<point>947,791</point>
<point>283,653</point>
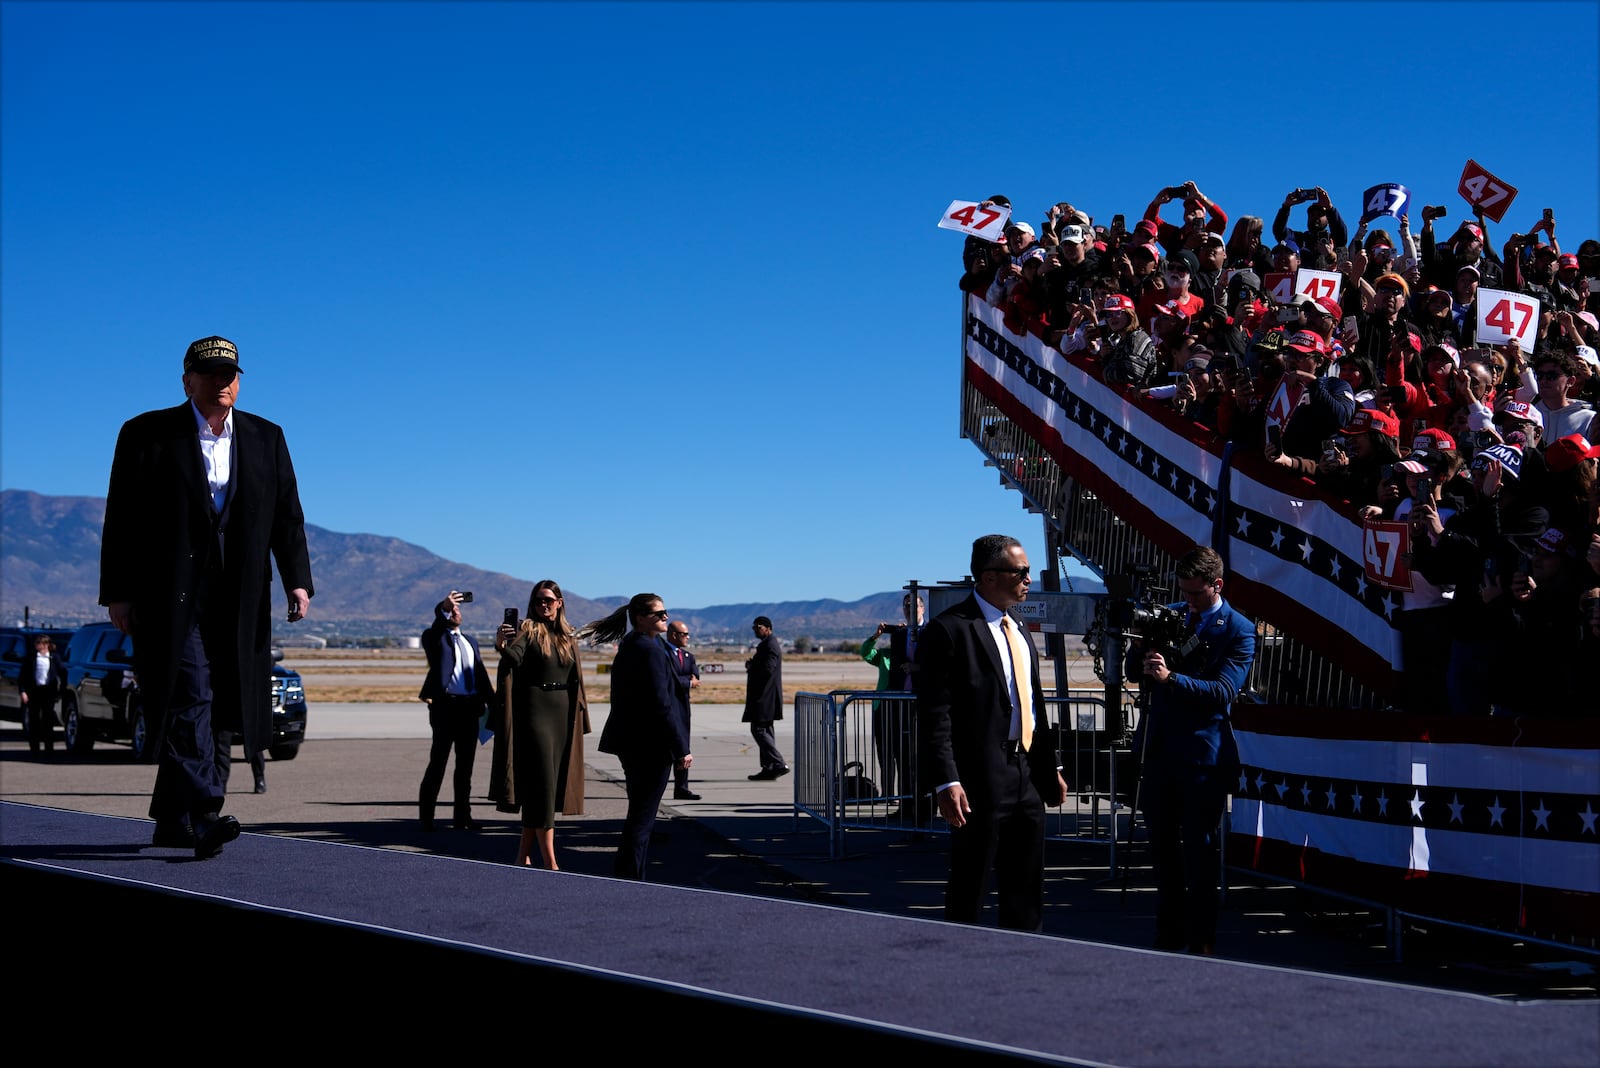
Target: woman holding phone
<point>648,726</point>
<point>541,727</point>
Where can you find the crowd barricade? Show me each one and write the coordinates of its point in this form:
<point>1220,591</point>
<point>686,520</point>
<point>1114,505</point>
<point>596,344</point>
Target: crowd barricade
<point>856,767</point>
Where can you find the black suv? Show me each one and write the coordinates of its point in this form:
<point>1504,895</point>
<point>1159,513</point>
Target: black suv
<point>16,646</point>
<point>102,701</point>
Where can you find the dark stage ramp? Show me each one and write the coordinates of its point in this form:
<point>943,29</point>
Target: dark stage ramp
<point>382,950</point>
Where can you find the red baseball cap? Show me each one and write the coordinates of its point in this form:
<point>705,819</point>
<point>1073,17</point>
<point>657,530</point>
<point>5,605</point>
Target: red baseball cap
<point>1328,305</point>
<point>1117,302</point>
<point>1567,260</point>
<point>1367,419</point>
<point>1432,439</point>
<point>1306,341</point>
<point>1147,226</point>
<point>1563,454</point>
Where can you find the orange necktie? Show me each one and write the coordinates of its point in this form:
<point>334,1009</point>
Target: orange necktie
<point>1020,671</point>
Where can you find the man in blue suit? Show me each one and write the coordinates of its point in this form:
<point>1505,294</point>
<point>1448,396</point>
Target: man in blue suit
<point>1188,753</point>
<point>458,691</point>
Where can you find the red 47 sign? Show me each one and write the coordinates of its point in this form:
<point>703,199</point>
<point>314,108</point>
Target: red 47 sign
<point>1318,284</point>
<point>1484,191</point>
<point>987,221</point>
<point>1386,549</point>
<point>1505,316</point>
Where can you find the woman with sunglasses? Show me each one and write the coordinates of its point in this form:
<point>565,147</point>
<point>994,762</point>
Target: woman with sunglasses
<point>647,728</point>
<point>539,732</point>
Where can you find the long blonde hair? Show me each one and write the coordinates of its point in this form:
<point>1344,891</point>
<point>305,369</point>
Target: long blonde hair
<point>553,639</point>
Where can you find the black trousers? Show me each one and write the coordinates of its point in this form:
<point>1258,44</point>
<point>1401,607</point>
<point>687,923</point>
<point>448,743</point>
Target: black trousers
<point>646,779</point>
<point>1183,809</point>
<point>188,786</point>
<point>454,721</point>
<point>41,714</point>
<point>1008,838</point>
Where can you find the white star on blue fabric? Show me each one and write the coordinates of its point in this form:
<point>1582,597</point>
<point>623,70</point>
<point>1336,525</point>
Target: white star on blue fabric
<point>1587,816</point>
<point>1496,810</point>
<point>1455,808</point>
<point>1416,804</point>
<point>1383,803</point>
<point>1541,817</point>
<point>1355,801</point>
<point>1305,550</point>
<point>1244,526</point>
<point>1331,795</point>
<point>1305,794</point>
<point>1282,788</point>
<point>1277,538</point>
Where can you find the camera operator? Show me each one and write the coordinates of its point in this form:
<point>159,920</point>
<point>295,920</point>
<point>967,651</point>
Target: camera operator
<point>1188,756</point>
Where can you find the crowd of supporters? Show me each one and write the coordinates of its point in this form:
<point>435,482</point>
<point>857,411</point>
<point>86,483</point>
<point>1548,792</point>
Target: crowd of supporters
<point>1383,398</point>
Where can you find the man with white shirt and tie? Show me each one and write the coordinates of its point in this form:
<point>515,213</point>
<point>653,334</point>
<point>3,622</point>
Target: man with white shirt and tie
<point>987,748</point>
<point>458,692</point>
<point>688,672</point>
<point>1189,757</point>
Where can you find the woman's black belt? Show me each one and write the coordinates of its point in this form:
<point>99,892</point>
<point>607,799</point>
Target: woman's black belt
<point>548,686</point>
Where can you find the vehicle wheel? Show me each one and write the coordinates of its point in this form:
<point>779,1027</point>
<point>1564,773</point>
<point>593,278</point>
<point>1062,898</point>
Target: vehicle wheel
<point>79,738</point>
<point>285,752</point>
<point>139,736</point>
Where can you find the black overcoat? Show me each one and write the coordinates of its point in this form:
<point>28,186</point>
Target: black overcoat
<point>159,551</point>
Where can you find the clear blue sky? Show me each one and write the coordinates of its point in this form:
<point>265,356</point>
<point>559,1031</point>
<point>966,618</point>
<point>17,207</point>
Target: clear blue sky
<point>650,296</point>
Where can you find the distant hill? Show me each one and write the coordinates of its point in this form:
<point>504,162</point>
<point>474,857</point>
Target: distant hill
<point>368,585</point>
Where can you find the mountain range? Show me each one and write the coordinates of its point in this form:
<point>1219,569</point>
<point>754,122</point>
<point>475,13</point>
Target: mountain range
<point>368,585</point>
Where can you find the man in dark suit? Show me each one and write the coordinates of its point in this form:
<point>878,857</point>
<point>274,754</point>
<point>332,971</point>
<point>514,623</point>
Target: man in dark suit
<point>458,692</point>
<point>987,749</point>
<point>40,682</point>
<point>688,672</point>
<point>763,701</point>
<point>1189,758</point>
<point>201,496</point>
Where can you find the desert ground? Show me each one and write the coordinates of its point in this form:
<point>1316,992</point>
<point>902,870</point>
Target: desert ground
<point>391,675</point>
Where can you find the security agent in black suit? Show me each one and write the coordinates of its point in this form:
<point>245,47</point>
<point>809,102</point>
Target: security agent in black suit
<point>203,498</point>
<point>687,669</point>
<point>458,692</point>
<point>40,683</point>
<point>987,748</point>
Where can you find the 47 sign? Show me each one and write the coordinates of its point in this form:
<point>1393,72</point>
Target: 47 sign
<point>1504,316</point>
<point>1386,547</point>
<point>987,221</point>
<point>1485,192</point>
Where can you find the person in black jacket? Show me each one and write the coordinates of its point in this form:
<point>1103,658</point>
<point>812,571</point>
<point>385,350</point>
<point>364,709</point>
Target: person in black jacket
<point>40,682</point>
<point>1477,551</point>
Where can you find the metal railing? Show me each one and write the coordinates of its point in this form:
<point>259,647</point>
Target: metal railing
<point>856,767</point>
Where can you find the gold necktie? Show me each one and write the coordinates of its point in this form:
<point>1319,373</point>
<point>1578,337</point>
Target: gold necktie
<point>1021,671</point>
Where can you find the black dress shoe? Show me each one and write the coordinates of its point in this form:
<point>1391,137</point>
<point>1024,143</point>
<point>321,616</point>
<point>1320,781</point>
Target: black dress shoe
<point>764,775</point>
<point>261,784</point>
<point>212,835</point>
<point>429,825</point>
<point>173,836</point>
<point>685,795</point>
<point>780,771</point>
